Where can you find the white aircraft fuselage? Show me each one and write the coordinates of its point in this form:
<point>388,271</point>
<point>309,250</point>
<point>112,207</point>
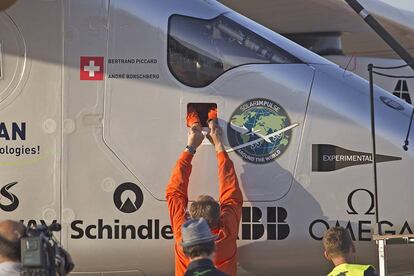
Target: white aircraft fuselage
<point>93,101</point>
<point>399,85</point>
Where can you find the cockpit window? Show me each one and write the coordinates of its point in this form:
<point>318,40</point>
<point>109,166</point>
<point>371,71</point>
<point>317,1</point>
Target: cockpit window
<point>199,51</point>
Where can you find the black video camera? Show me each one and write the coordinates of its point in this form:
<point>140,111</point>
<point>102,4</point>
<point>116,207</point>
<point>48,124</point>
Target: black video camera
<point>42,254</point>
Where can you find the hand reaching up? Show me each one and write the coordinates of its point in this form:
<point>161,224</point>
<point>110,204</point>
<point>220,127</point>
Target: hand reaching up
<point>195,136</point>
<point>214,135</point>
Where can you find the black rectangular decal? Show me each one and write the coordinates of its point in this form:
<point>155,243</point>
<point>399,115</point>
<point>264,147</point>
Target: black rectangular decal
<point>326,158</point>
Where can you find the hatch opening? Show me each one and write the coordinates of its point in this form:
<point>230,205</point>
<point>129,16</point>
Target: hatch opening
<point>202,109</point>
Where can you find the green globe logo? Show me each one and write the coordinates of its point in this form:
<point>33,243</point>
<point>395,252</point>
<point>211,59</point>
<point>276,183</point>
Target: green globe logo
<point>255,123</point>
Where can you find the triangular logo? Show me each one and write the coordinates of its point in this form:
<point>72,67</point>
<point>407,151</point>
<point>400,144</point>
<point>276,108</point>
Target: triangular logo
<point>401,91</point>
<point>128,206</point>
<point>326,158</point>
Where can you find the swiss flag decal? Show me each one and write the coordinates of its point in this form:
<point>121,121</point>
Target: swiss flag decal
<point>91,68</point>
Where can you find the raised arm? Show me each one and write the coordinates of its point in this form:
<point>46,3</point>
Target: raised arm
<point>231,198</point>
<point>176,193</point>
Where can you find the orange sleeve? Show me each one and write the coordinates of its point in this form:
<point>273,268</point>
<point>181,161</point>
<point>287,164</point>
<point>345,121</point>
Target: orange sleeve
<point>176,193</point>
<point>231,198</point>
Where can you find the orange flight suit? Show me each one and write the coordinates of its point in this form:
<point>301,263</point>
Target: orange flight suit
<point>231,201</point>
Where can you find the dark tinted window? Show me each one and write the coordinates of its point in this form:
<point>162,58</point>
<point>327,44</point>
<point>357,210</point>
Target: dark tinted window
<point>201,50</point>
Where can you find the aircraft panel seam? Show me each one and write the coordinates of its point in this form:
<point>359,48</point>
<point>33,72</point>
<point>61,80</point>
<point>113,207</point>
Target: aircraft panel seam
<point>303,127</point>
<point>105,107</point>
<point>62,91</point>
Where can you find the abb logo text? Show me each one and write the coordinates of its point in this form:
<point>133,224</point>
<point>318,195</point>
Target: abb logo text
<point>276,226</point>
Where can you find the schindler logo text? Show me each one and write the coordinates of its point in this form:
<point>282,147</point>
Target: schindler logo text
<point>152,230</point>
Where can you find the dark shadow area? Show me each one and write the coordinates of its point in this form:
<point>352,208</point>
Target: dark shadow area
<point>289,242</point>
<point>5,4</point>
<point>292,251</point>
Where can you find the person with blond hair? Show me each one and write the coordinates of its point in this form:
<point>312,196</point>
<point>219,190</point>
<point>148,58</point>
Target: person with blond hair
<point>340,250</point>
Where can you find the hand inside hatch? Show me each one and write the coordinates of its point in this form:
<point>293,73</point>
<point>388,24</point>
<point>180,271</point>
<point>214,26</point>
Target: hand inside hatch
<point>201,113</point>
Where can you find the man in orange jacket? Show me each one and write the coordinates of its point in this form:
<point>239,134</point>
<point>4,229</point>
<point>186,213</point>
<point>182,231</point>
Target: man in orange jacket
<point>223,218</point>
